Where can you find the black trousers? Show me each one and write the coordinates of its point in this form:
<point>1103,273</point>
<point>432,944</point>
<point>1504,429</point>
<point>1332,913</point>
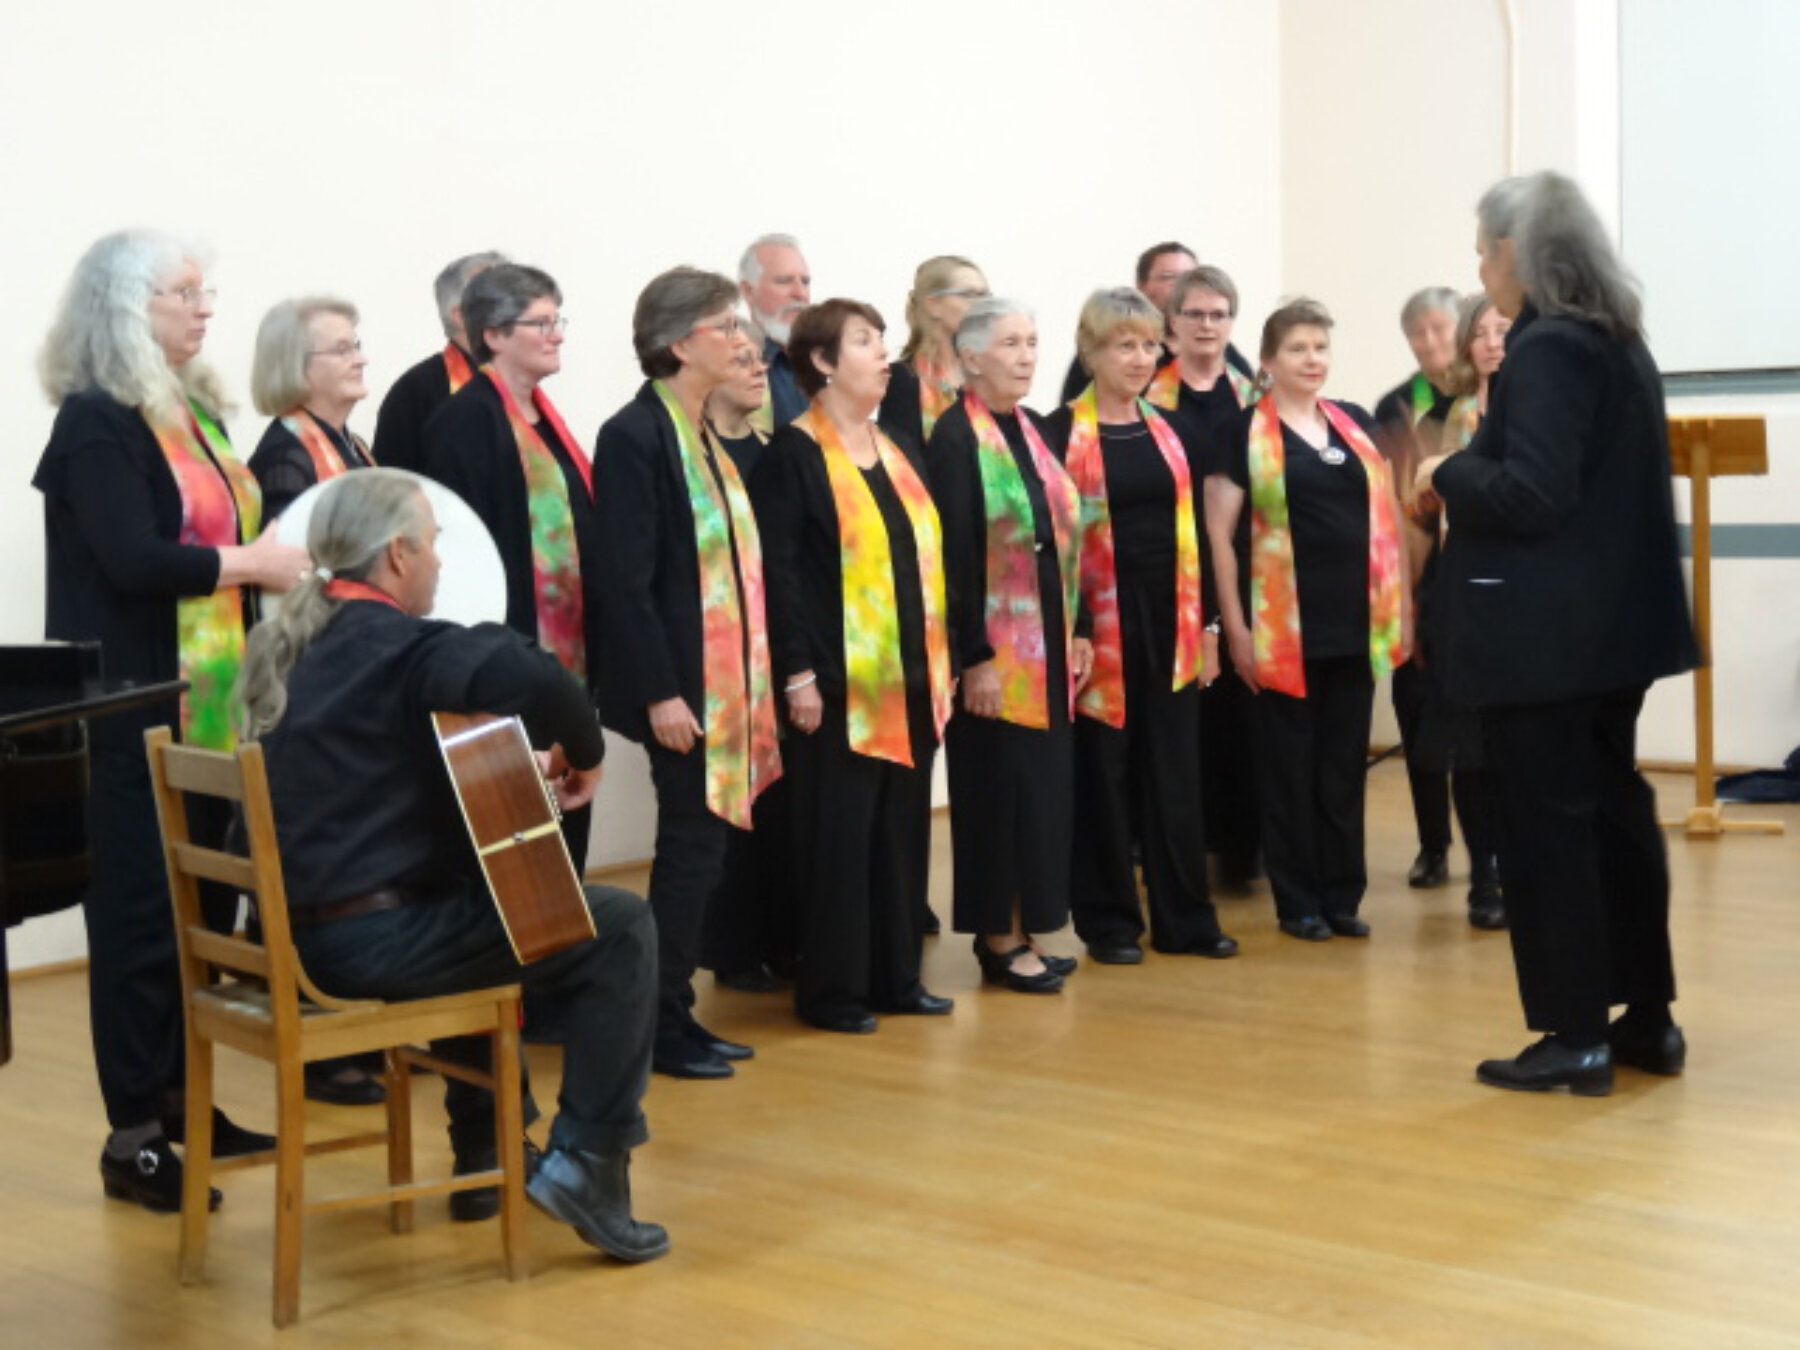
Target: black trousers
<point>684,877</point>
<point>1228,771</point>
<point>1312,764</point>
<point>1583,861</point>
<point>752,920</point>
<point>864,832</point>
<point>1433,789</point>
<point>134,979</point>
<point>604,987</point>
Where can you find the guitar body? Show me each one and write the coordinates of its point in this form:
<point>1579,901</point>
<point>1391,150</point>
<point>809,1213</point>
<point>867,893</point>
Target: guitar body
<point>514,824</point>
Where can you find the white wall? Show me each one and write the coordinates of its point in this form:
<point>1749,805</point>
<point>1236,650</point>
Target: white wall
<point>356,147</point>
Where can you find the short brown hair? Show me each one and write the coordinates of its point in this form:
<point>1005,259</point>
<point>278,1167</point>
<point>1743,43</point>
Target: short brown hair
<point>818,330</point>
<point>1300,313</point>
<point>1147,259</point>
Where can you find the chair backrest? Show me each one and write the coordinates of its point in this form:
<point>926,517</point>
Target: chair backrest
<point>178,771</point>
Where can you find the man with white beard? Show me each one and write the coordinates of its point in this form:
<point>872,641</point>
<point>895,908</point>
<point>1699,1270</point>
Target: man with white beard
<point>776,284</point>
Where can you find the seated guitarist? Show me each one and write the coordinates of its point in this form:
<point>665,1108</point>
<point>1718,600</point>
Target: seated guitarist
<point>385,891</point>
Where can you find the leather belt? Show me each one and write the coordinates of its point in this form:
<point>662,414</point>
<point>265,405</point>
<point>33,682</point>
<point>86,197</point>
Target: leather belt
<point>370,902</point>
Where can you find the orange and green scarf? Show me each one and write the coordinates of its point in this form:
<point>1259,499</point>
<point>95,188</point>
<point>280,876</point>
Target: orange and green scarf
<point>1165,386</point>
<point>938,390</point>
<point>874,677</point>
<point>1460,424</point>
<point>456,366</point>
<point>1015,610</point>
<point>221,507</point>
<point>1421,397</point>
<point>1104,697</point>
<point>1274,600</point>
<point>742,753</point>
<point>327,459</point>
<point>555,555</point>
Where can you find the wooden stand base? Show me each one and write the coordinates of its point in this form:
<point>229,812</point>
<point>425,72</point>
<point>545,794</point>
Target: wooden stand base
<point>1708,822</point>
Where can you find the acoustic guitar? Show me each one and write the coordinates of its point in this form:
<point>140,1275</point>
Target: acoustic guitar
<point>516,827</point>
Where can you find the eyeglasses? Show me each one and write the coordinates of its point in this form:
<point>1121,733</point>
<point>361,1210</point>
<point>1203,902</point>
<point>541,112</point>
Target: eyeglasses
<point>343,351</point>
<point>545,327</point>
<point>729,326</point>
<point>191,296</point>
<point>1205,315</point>
<point>750,359</point>
<point>962,293</point>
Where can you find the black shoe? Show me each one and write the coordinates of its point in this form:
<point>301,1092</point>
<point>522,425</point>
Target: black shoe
<point>930,924</point>
<point>151,1179</point>
<point>230,1140</point>
<point>682,1058</point>
<point>1551,1064</point>
<point>1347,925</point>
<point>341,1086</point>
<point>1487,909</point>
<point>997,968</point>
<point>475,1206</point>
<point>849,1022</point>
<point>1430,870</point>
<point>591,1192</point>
<point>1064,966</point>
<point>1218,948</point>
<point>1125,953</point>
<point>923,1003</point>
<point>724,1049</point>
<point>1663,1051</point>
<point>1311,929</point>
<point>758,979</point>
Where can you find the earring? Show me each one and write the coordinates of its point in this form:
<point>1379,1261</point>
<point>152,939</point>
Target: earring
<point>828,379</point>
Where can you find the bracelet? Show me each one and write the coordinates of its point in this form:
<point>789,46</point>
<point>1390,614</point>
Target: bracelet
<point>798,685</point>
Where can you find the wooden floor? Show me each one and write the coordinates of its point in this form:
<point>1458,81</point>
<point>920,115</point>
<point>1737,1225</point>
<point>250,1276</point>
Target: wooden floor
<point>1288,1149</point>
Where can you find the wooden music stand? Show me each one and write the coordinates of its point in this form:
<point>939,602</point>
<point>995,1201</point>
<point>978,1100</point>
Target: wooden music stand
<point>1701,449</point>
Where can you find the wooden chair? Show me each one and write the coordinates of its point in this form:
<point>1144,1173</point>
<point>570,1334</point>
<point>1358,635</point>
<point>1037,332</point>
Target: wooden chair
<point>256,998</point>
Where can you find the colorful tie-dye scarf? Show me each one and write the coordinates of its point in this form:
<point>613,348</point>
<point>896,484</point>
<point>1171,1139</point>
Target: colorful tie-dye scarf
<point>742,754</point>
<point>1165,386</point>
<point>555,555</point>
<point>938,389</point>
<point>1015,611</point>
<point>456,366</point>
<point>1274,600</point>
<point>322,449</point>
<point>1104,697</point>
<point>221,507</point>
<point>874,676</point>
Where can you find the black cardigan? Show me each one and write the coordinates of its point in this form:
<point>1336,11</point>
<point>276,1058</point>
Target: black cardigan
<point>284,469</point>
<point>408,407</point>
<point>1562,573</point>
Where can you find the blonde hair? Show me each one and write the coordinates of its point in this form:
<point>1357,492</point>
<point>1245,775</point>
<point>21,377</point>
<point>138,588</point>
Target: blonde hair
<point>283,346</point>
<point>1462,377</point>
<point>1109,310</point>
<point>932,275</point>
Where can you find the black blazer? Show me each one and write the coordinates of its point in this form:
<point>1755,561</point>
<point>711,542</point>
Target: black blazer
<point>1562,573</point>
<point>114,566</point>
<point>408,407</point>
<point>469,448</point>
<point>650,569</point>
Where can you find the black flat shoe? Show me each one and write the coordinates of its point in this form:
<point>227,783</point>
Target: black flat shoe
<point>997,968</point>
<point>849,1023</point>
<point>756,980</point>
<point>1307,930</point>
<point>1218,948</point>
<point>230,1140</point>
<point>687,1060</point>
<point>1663,1051</point>
<point>1429,871</point>
<point>151,1179</point>
<point>1551,1064</point>
<point>1347,925</point>
<point>340,1087</point>
<point>1059,965</point>
<point>1116,953</point>
<point>724,1049</point>
<point>924,1004</point>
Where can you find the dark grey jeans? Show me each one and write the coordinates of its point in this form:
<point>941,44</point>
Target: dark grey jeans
<point>606,989</point>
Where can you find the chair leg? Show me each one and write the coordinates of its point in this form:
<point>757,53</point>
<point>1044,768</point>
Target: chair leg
<point>400,1138</point>
<point>509,1122</point>
<point>196,1184</point>
<point>290,1186</point>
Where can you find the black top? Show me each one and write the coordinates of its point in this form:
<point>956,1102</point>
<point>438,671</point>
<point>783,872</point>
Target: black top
<point>285,470</point>
<point>355,774</point>
<point>470,449</point>
<point>409,405</point>
<point>786,400</point>
<point>1328,522</point>
<point>902,414</point>
<point>746,451</point>
<point>1562,574</point>
<point>114,565</point>
<point>1078,379</point>
<point>1401,442</point>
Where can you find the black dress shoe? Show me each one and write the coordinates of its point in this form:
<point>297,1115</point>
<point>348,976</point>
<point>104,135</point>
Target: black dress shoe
<point>684,1059</point>
<point>1661,1051</point>
<point>1551,1064</point>
<point>1347,925</point>
<point>475,1206</point>
<point>1487,909</point>
<point>1312,929</point>
<point>152,1178</point>
<point>337,1085</point>
<point>1116,953</point>
<point>1430,870</point>
<point>924,1003</point>
<point>757,979</point>
<point>1218,948</point>
<point>591,1192</point>
<point>1059,965</point>
<point>229,1139</point>
<point>724,1049</point>
<point>850,1022</point>
<point>997,968</point>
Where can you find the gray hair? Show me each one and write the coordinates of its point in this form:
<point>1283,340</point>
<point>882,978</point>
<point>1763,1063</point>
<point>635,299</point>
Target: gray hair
<point>283,346</point>
<point>354,519</point>
<point>977,328</point>
<point>1203,278</point>
<point>750,267</point>
<point>1111,309</point>
<point>667,310</point>
<point>1431,300</point>
<point>454,280</point>
<point>1564,260</point>
<point>498,298</point>
<point>101,336</point>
